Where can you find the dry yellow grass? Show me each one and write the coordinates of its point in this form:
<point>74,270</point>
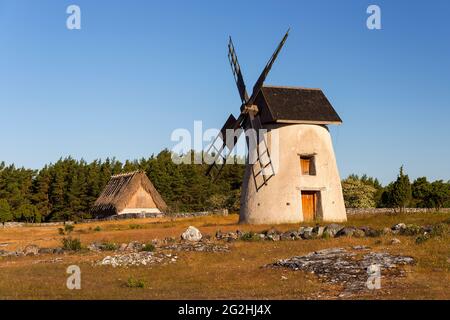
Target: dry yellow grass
<point>234,275</point>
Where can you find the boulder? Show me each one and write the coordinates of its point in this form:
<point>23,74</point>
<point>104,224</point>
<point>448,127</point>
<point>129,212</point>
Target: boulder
<point>318,231</point>
<point>46,251</point>
<point>386,231</point>
<point>134,246</point>
<point>331,230</point>
<point>285,236</point>
<point>358,233</point>
<point>369,232</point>
<point>346,232</point>
<point>192,234</point>
<point>398,227</point>
<point>58,251</point>
<point>307,233</point>
<point>31,250</point>
<point>395,241</point>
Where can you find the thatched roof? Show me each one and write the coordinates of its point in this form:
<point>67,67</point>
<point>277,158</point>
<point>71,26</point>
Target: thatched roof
<point>119,190</point>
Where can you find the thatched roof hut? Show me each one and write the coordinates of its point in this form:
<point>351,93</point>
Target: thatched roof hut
<point>129,193</point>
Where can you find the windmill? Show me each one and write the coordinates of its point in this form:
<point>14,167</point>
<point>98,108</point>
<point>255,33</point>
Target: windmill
<point>306,185</point>
<point>248,118</point>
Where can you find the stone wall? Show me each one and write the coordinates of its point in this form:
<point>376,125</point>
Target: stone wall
<point>356,211</point>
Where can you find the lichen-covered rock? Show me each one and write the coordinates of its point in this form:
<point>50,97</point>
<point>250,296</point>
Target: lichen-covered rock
<point>331,230</point>
<point>346,232</point>
<point>31,250</point>
<point>192,234</point>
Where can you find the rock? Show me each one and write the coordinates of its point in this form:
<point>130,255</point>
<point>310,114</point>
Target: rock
<point>134,246</point>
<point>339,266</point>
<point>307,233</point>
<point>123,247</point>
<point>347,232</point>
<point>318,231</point>
<point>31,250</point>
<point>192,234</point>
<point>369,232</point>
<point>274,237</point>
<point>398,227</point>
<point>219,235</point>
<point>58,251</point>
<point>395,241</point>
<point>358,233</point>
<point>143,258</point>
<point>95,246</point>
<point>331,230</point>
<point>46,251</point>
<point>387,231</point>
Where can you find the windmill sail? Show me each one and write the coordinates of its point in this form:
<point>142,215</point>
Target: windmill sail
<point>236,69</point>
<point>259,83</point>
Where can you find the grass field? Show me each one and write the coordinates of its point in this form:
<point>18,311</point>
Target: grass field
<point>201,275</point>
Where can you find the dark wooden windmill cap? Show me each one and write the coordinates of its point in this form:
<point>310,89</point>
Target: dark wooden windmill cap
<point>280,104</point>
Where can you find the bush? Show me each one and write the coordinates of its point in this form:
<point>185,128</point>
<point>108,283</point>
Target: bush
<point>250,236</point>
<point>439,230</point>
<point>411,230</point>
<point>68,228</point>
<point>135,283</point>
<point>149,247</point>
<point>71,244</point>
<point>97,229</point>
<point>135,226</point>
<point>109,246</point>
<point>422,238</point>
<point>61,231</point>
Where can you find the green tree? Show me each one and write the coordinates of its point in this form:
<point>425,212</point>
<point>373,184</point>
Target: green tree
<point>5,211</point>
<point>28,213</point>
<point>421,191</point>
<point>439,194</point>
<point>401,191</point>
<point>358,194</point>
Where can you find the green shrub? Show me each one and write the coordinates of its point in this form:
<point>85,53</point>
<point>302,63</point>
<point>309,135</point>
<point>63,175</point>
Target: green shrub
<point>422,238</point>
<point>250,236</point>
<point>97,229</point>
<point>71,244</point>
<point>411,230</point>
<point>109,246</point>
<point>439,230</point>
<point>135,283</point>
<point>61,231</point>
<point>135,226</point>
<point>149,247</point>
<point>69,228</point>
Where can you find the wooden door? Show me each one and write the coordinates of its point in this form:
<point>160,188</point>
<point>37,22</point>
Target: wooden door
<point>309,205</point>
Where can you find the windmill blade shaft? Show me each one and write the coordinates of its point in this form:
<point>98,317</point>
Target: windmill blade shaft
<point>237,73</point>
<point>259,83</point>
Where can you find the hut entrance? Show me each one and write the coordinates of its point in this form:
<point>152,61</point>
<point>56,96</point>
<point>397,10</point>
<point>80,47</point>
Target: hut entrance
<point>309,205</point>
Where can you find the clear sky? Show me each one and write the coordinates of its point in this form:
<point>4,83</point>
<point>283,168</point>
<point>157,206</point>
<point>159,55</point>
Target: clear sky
<point>137,70</point>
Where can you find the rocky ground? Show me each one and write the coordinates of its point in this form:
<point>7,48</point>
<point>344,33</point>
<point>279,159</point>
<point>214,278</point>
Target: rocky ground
<point>350,268</point>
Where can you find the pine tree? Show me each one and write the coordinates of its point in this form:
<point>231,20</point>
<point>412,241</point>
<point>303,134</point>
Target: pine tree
<point>401,191</point>
<point>5,211</point>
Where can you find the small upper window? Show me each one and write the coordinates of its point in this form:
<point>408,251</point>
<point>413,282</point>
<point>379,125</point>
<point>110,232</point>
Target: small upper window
<point>307,165</point>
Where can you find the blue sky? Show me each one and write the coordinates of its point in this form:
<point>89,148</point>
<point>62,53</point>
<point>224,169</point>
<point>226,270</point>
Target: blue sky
<point>137,70</point>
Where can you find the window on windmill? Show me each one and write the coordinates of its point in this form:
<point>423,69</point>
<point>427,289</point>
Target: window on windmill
<point>308,165</point>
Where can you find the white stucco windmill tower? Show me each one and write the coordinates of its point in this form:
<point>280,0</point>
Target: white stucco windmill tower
<point>293,178</point>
